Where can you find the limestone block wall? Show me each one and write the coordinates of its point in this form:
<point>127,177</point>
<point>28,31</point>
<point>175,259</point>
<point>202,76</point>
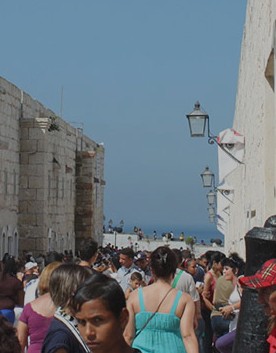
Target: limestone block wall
<point>9,168</point>
<point>89,194</point>
<point>254,182</point>
<point>38,174</point>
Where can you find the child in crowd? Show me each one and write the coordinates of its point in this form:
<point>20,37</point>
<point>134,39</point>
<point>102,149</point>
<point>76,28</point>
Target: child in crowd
<point>135,281</point>
<point>99,306</point>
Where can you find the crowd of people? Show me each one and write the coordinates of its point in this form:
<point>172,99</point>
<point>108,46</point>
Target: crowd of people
<point>105,299</point>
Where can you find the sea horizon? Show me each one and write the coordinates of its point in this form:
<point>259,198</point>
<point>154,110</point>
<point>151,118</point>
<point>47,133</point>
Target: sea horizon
<point>205,235</point>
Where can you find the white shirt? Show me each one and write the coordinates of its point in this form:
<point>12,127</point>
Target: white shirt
<point>186,284</point>
<point>123,275</point>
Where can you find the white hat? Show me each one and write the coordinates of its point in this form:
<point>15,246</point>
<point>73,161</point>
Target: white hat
<point>30,265</point>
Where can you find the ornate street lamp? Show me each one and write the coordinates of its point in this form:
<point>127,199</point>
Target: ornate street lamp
<point>198,120</point>
<point>208,178</point>
<point>211,211</point>
<point>212,219</point>
<point>211,197</point>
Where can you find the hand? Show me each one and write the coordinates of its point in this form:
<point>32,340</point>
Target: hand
<point>200,289</point>
<point>206,294</point>
<point>226,310</point>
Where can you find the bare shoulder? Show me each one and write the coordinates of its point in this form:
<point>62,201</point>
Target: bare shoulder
<point>133,297</point>
<point>186,298</point>
<point>208,277</point>
<point>43,305</point>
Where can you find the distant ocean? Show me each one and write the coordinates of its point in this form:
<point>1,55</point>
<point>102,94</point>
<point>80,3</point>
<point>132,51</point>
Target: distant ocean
<point>200,234</point>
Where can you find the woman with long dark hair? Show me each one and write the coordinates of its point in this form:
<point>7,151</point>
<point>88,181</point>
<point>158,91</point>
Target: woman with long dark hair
<point>11,288</point>
<point>161,317</point>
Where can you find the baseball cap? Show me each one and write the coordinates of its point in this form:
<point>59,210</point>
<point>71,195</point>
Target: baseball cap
<point>263,278</point>
<point>30,265</point>
<point>140,256</point>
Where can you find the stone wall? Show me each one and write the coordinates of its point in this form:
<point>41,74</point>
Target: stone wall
<point>39,193</point>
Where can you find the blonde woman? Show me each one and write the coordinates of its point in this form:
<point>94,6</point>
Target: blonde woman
<point>37,315</point>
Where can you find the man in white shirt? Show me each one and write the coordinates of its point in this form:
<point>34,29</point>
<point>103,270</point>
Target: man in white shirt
<point>126,259</point>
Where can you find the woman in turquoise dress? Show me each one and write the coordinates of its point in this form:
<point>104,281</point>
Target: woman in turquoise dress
<point>161,317</point>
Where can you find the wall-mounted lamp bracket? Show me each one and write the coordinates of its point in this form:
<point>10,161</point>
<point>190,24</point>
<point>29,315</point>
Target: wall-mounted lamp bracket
<point>198,120</point>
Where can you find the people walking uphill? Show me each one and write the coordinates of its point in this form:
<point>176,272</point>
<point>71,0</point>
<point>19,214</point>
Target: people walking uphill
<point>135,281</point>
<point>189,265</point>
<point>31,287</point>
<point>184,281</point>
<point>31,272</point>
<point>8,341</point>
<point>63,335</point>
<point>126,259</point>
<point>161,317</point>
<point>99,306</point>
<point>233,267</point>
<point>36,317</point>
<point>11,289</point>
<point>210,279</point>
<point>264,281</point>
<point>88,253</point>
<point>141,259</point>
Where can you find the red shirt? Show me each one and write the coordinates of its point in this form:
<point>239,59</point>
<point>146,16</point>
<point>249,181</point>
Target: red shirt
<point>272,341</point>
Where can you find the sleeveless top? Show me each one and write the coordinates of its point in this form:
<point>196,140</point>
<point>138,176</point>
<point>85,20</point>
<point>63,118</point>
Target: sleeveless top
<point>212,286</point>
<point>161,333</point>
<point>233,299</point>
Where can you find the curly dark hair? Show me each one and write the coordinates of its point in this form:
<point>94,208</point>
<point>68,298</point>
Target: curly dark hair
<point>8,340</point>
<point>235,262</point>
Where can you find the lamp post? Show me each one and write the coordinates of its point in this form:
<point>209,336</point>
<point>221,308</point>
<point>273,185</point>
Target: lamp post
<point>212,219</point>
<point>211,211</point>
<point>208,181</point>
<point>198,120</point>
<point>208,178</point>
<point>211,197</point>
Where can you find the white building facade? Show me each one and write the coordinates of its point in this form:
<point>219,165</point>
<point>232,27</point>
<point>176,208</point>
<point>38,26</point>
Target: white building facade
<point>252,184</point>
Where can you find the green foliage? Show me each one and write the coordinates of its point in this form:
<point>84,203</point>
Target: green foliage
<point>190,241</point>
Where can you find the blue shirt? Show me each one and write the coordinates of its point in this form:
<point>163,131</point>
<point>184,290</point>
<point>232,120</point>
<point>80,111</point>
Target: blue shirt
<point>124,274</point>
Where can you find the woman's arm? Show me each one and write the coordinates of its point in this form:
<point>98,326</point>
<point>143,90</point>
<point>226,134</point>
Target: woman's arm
<point>230,309</point>
<point>206,291</point>
<point>129,332</point>
<point>22,334</point>
<point>207,285</point>
<point>186,326</point>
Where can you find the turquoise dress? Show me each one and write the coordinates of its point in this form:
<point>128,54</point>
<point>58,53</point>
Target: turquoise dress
<point>162,333</point>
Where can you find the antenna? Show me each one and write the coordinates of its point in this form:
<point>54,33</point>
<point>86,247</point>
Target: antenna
<point>61,102</point>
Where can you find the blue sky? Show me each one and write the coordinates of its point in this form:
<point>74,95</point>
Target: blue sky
<point>130,71</point>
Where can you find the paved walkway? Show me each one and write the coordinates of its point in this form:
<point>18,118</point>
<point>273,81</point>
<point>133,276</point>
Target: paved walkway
<point>125,240</point>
